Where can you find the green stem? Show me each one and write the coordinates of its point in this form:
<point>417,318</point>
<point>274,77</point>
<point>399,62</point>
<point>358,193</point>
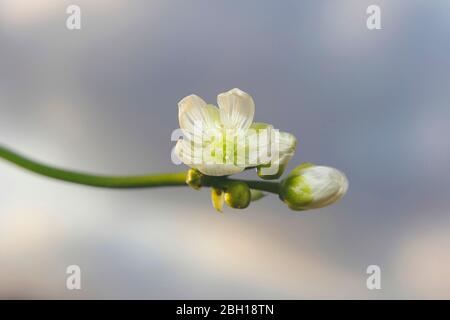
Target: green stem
<point>158,180</point>
<point>222,182</point>
<point>104,181</point>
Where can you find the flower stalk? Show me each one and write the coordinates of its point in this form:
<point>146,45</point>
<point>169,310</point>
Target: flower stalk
<point>123,182</point>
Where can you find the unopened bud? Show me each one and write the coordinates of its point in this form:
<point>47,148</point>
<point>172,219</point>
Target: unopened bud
<point>194,179</point>
<point>309,187</point>
<point>237,195</point>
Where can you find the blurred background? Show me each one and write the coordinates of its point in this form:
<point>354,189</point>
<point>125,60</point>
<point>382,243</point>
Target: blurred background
<point>103,99</point>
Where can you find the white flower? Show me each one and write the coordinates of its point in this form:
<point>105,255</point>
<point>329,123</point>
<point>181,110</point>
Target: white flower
<point>309,187</point>
<point>220,141</point>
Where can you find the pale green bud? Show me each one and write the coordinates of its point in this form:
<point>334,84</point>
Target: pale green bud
<point>194,179</point>
<point>309,187</point>
<point>237,195</point>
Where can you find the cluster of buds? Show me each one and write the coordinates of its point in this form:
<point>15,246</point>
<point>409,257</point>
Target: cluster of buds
<point>306,187</point>
<point>236,194</point>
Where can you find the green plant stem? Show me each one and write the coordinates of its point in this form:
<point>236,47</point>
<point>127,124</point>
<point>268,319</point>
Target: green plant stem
<point>128,182</point>
<point>222,182</point>
<point>158,180</point>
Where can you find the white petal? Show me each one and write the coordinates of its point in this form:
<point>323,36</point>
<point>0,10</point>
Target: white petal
<point>195,116</point>
<point>327,185</point>
<point>286,148</point>
<point>258,138</point>
<point>184,150</point>
<point>287,144</point>
<point>219,169</point>
<point>236,109</point>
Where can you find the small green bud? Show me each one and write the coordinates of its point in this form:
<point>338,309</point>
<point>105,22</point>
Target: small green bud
<point>194,179</point>
<point>309,187</point>
<point>237,195</point>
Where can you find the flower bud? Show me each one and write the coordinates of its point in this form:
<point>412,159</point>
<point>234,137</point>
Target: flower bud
<point>194,179</point>
<point>309,187</point>
<point>217,198</point>
<point>237,195</point>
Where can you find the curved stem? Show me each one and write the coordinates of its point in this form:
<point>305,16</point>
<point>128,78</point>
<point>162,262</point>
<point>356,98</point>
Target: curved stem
<point>104,181</point>
<point>158,180</point>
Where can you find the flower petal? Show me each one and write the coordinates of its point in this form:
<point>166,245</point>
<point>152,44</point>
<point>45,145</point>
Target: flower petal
<point>195,158</point>
<point>196,117</point>
<point>280,155</point>
<point>258,138</point>
<point>327,185</point>
<point>236,109</point>
<point>219,170</point>
<point>286,149</point>
<point>184,151</point>
<point>287,144</point>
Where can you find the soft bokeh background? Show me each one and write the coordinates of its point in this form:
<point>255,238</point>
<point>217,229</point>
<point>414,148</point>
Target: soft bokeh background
<point>374,104</point>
